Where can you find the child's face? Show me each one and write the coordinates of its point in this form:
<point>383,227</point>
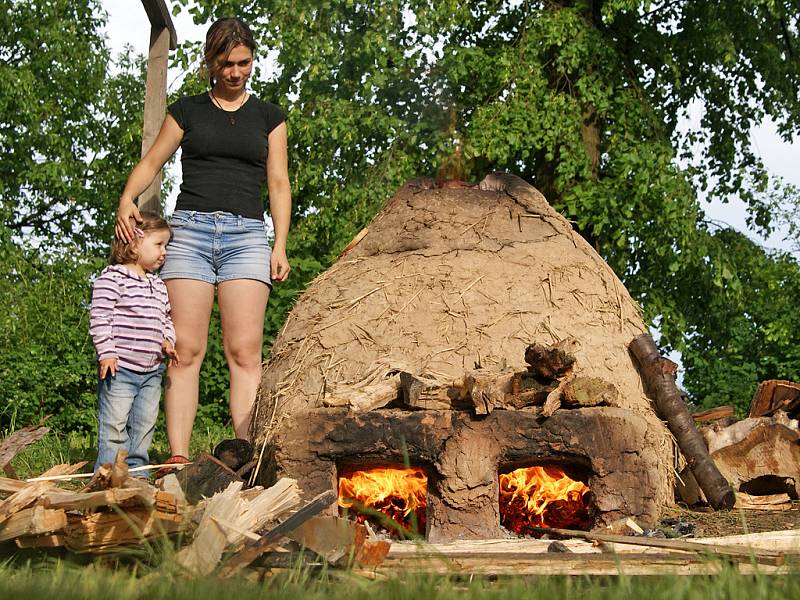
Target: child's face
<point>153,249</point>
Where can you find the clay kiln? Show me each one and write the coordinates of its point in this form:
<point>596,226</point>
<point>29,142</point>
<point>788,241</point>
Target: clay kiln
<point>448,282</point>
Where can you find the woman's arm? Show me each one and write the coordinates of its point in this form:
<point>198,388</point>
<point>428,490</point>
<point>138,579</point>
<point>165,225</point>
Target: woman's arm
<point>280,199</point>
<point>167,142</point>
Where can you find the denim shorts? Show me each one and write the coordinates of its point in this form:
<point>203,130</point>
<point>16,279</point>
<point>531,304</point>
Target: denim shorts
<point>216,247</point>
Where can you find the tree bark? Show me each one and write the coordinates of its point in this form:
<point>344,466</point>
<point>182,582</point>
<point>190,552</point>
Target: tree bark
<point>670,407</point>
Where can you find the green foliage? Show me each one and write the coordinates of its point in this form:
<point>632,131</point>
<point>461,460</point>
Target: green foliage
<point>47,361</point>
<point>69,131</point>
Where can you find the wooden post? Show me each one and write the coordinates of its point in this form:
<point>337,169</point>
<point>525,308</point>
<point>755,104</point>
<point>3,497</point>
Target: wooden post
<point>162,39</point>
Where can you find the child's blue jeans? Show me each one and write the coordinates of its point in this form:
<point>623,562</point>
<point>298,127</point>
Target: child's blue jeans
<point>128,409</point>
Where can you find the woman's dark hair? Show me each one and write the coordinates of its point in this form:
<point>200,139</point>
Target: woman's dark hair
<point>122,252</point>
<point>222,37</point>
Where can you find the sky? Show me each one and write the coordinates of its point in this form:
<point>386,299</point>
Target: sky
<point>128,25</point>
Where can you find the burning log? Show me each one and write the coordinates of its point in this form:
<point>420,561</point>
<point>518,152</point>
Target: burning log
<point>535,497</point>
<point>658,377</point>
<point>397,494</point>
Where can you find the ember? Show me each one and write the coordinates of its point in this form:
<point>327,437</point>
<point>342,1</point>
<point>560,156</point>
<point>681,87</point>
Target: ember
<point>400,494</point>
<point>542,497</point>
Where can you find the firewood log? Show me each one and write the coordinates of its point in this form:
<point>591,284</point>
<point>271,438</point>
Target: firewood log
<point>660,385</point>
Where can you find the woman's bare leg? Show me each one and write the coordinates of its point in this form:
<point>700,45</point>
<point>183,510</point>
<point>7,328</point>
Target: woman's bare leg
<point>242,303</point>
<point>191,302</point>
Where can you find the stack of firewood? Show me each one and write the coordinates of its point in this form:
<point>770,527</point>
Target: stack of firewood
<point>224,525</point>
<point>548,381</point>
<point>759,455</point>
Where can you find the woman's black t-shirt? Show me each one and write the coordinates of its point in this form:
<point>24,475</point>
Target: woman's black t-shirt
<point>224,154</point>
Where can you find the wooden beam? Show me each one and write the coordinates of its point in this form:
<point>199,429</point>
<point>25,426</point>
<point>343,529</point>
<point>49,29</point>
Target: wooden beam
<point>160,18</point>
<point>155,106</point>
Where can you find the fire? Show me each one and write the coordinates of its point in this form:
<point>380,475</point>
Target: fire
<point>542,497</point>
<point>400,494</point>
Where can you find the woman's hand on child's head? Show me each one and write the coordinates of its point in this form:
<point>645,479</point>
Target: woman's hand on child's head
<point>169,350</point>
<point>108,366</point>
<point>127,217</point>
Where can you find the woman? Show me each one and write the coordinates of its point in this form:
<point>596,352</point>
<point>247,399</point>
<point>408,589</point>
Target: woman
<point>230,141</point>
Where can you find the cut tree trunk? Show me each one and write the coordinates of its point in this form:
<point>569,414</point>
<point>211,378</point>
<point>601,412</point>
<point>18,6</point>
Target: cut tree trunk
<point>765,461</point>
<point>204,477</point>
<point>659,381</point>
<point>773,395</point>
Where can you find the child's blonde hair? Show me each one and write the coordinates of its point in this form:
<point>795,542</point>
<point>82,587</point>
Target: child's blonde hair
<point>122,252</point>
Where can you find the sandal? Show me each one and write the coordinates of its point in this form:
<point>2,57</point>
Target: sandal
<point>176,459</point>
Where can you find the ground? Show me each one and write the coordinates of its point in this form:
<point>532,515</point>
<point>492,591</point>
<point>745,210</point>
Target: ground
<point>719,523</point>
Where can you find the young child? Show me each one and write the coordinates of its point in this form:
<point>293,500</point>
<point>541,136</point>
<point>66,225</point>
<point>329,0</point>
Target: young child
<point>132,331</point>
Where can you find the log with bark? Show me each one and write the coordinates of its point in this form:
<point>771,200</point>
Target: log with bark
<point>658,375</point>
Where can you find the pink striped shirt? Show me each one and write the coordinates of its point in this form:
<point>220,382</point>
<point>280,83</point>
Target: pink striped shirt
<point>130,318</point>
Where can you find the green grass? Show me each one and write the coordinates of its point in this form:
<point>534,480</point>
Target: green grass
<point>59,448</point>
<point>66,581</point>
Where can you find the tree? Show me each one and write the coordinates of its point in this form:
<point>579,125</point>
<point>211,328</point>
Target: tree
<point>69,129</point>
<point>582,98</point>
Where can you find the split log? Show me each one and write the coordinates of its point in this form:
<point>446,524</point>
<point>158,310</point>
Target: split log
<point>361,397</point>
<point>119,469</point>
<point>590,391</point>
<point>205,477</point>
<point>22,499</point>
<point>64,469</point>
<point>18,441</point>
<point>11,486</point>
<point>103,530</point>
<point>553,401</point>
<point>33,521</point>
<point>486,390</point>
<point>204,553</point>
<point>769,502</point>
<point>773,395</point>
<point>254,549</point>
<point>426,393</point>
<point>658,377</point>
<point>765,461</point>
<point>75,501</point>
<point>340,541</point>
<point>526,390</point>
<point>713,414</point>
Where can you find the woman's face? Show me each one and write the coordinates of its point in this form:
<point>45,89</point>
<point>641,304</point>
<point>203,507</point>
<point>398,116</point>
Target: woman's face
<point>235,70</point>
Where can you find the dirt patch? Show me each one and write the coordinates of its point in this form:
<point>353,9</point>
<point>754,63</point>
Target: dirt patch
<point>736,522</point>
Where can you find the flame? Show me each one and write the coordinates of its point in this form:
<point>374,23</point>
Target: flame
<point>400,494</point>
<point>542,497</point>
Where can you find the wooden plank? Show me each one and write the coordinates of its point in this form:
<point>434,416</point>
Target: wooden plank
<point>18,441</point>
<point>53,540</point>
<point>713,414</point>
<point>33,521</point>
<point>11,486</point>
<point>63,469</point>
<point>732,552</point>
<point>516,564</point>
